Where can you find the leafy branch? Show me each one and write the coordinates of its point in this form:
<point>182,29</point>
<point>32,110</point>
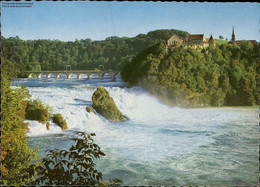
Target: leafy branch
<point>73,167</point>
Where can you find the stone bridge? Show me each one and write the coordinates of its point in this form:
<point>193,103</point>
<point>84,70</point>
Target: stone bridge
<point>69,74</point>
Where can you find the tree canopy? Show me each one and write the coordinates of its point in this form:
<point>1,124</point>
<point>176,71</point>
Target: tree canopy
<point>224,75</point>
<point>112,53</point>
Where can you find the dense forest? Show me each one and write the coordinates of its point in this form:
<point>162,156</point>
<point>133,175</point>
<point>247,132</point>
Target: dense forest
<point>112,53</point>
<point>226,75</point>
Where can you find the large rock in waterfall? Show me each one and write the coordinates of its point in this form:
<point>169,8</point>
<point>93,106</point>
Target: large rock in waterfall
<point>105,105</point>
<point>60,121</point>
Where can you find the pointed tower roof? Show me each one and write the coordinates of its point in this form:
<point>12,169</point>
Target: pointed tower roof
<point>211,39</point>
<point>233,31</point>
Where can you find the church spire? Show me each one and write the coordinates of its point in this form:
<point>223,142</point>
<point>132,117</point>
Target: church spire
<point>233,36</point>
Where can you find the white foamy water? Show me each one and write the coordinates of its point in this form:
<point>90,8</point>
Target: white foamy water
<point>153,134</point>
<point>39,129</point>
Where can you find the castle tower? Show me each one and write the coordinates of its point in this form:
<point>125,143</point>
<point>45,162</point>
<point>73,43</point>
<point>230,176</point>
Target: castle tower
<point>233,36</point>
<point>212,41</point>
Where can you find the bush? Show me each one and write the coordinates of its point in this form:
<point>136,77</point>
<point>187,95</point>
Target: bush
<point>59,120</point>
<point>36,110</point>
<point>105,105</point>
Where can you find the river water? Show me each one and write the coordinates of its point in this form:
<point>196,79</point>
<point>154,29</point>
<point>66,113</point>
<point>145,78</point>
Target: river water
<point>158,145</point>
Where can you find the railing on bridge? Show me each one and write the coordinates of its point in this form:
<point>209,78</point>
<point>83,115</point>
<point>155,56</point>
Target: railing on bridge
<point>69,74</point>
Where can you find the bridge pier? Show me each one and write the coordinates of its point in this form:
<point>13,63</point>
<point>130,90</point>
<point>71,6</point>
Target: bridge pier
<point>89,75</point>
<point>101,75</point>
<point>113,76</point>
<point>78,75</point>
<point>68,75</point>
<point>30,75</point>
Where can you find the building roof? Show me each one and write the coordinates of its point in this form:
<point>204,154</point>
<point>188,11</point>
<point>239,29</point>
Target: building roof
<point>239,42</point>
<point>174,35</point>
<point>196,36</point>
<point>185,39</point>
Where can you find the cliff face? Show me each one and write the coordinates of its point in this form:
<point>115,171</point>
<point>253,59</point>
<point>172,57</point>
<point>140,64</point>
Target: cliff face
<point>105,105</point>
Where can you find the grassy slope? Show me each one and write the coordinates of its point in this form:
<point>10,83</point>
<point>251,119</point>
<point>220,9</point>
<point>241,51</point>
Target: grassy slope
<point>219,41</point>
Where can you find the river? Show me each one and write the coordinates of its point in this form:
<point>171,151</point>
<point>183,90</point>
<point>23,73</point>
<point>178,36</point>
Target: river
<point>158,145</point>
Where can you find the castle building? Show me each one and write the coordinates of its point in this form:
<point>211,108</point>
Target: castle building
<point>199,41</point>
<point>174,41</point>
<point>193,41</point>
<point>239,42</point>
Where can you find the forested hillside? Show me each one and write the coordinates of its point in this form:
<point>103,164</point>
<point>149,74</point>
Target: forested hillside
<point>113,52</point>
<point>222,76</point>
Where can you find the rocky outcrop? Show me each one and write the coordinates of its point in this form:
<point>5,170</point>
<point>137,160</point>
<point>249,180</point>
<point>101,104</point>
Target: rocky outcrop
<point>36,110</point>
<point>89,109</point>
<point>48,126</point>
<point>60,121</point>
<point>105,105</point>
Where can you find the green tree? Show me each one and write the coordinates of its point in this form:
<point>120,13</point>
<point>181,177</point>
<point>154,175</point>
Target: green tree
<point>16,156</point>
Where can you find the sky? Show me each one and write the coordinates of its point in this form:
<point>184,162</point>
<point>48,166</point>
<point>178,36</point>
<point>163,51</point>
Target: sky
<point>70,20</point>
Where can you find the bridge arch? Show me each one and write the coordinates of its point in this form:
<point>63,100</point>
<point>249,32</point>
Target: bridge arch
<point>113,75</point>
<point>50,75</point>
<point>61,75</point>
<point>73,76</point>
<point>32,75</point>
<point>43,75</point>
<point>83,75</point>
<point>93,75</point>
<point>107,75</point>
